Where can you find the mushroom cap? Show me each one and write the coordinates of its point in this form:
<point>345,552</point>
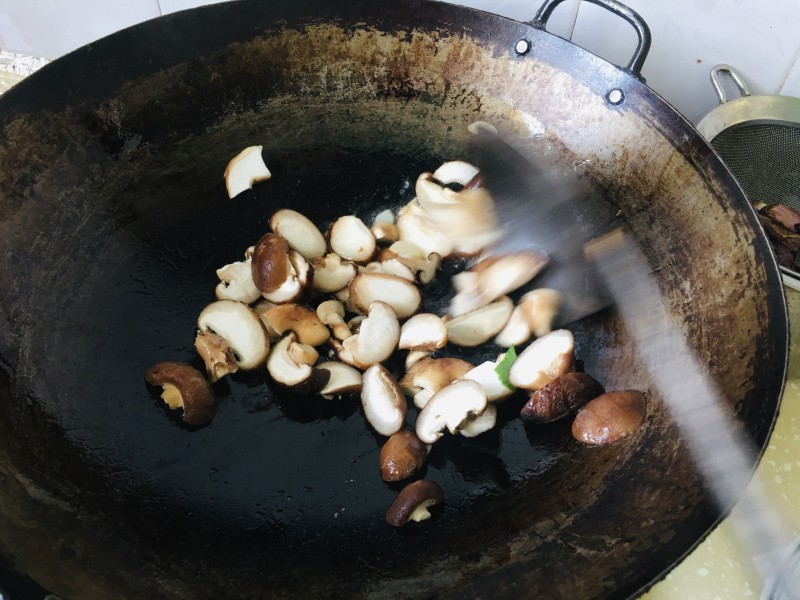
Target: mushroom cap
<point>423,331</point>
<point>543,360</point>
<point>344,379</point>
<point>194,392</point>
<point>241,327</point>
<point>245,169</point>
<point>428,376</point>
<point>383,401</point>
<point>450,407</point>
<point>300,233</point>
<point>297,282</point>
<point>402,295</point>
<point>331,273</point>
<point>479,326</point>
<point>270,266</point>
<point>480,424</point>
<point>402,455</point>
<point>412,502</point>
<point>303,321</point>
<point>352,239</point>
<point>609,417</point>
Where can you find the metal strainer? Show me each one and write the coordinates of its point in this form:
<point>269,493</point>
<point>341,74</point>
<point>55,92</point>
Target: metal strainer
<point>758,138</point>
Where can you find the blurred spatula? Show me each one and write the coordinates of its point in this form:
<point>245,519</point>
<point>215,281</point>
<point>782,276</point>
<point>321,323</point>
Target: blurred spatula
<point>543,210</point>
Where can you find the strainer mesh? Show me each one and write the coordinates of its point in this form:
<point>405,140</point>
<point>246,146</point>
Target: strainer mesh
<point>765,159</point>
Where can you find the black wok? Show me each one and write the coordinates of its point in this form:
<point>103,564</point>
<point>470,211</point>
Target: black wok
<point>114,217</point>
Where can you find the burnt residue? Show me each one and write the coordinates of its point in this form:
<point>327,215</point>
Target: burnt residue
<point>115,217</point>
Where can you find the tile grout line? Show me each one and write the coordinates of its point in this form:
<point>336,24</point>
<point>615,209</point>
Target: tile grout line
<point>794,65</point>
<point>575,20</point>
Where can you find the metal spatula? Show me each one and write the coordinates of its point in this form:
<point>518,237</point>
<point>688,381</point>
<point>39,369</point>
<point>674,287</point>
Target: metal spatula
<point>548,212</point>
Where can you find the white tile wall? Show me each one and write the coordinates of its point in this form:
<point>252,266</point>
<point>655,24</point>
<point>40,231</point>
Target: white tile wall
<point>758,37</point>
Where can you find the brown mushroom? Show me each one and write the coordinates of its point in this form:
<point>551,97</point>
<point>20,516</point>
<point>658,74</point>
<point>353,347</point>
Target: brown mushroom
<point>217,355</point>
<point>609,417</point>
<point>402,455</point>
<point>412,503</point>
<point>184,387</point>
<point>562,396</point>
<point>430,375</point>
<point>270,265</point>
<point>303,321</point>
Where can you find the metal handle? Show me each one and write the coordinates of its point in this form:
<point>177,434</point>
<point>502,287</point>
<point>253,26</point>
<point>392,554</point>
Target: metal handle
<point>735,77</point>
<point>642,30</point>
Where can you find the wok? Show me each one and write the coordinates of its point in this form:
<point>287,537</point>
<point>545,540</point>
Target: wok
<point>113,219</point>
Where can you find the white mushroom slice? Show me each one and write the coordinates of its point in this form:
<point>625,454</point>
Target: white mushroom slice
<point>477,127</point>
<point>414,356</point>
<point>424,331</point>
<point>299,275</point>
<point>479,326</point>
<point>300,233</point>
<point>427,377</point>
<point>238,325</point>
<point>342,295</point>
<point>455,171</point>
<point>494,277</point>
<point>245,169</point>
<point>467,217</point>
<point>545,359</point>
<point>331,274</point>
<point>450,407</point>
<point>480,424</point>
<point>216,354</point>
<point>486,374</point>
<point>384,404</point>
<point>287,371</point>
<point>351,239</point>
<point>236,281</point>
<point>331,313</point>
<point>395,267</point>
<point>303,354</point>
<point>540,308</point>
<point>419,264</point>
<point>402,295</point>
<point>376,339</point>
<point>415,226</point>
<point>261,308</point>
<point>516,332</point>
<point>384,217</point>
<point>303,321</point>
<point>344,379</point>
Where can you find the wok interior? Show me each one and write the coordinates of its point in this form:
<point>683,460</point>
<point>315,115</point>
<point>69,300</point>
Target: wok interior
<point>116,219</point>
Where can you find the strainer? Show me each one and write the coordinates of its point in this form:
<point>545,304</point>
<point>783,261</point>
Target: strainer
<point>758,138</point>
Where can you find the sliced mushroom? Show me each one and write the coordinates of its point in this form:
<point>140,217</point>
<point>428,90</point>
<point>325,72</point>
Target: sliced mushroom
<point>397,268</point>
<point>423,331</point>
<point>383,401</point>
<point>344,380</point>
<point>402,295</point>
<point>244,170</point>
<point>331,313</point>
<point>331,274</point>
<point>402,455</point>
<point>413,501</point>
<point>428,376</point>
<point>236,283</point>
<point>351,239</point>
<point>414,356</point>
<point>486,374</point>
<point>480,424</point>
<point>384,228</point>
<point>303,354</point>
<point>545,359</point>
<point>414,225</point>
<point>420,265</point>
<point>284,367</point>
<point>540,308</point>
<point>303,321</point>
<point>609,417</point>
<point>300,233</point>
<point>376,339</point>
<point>270,266</point>
<point>238,325</point>
<point>562,396</point>
<point>496,276</point>
<point>450,407</point>
<point>516,332</point>
<point>216,354</point>
<point>455,171</point>
<point>261,308</point>
<point>479,326</point>
<point>184,387</point>
<point>297,281</point>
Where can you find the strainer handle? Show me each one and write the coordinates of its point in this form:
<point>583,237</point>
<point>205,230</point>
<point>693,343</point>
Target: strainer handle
<point>642,30</point>
<point>735,77</point>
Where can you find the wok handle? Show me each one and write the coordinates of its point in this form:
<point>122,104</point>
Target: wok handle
<point>735,76</point>
<point>642,30</point>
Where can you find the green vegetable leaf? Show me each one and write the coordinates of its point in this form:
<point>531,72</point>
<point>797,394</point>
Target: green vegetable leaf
<point>504,366</point>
